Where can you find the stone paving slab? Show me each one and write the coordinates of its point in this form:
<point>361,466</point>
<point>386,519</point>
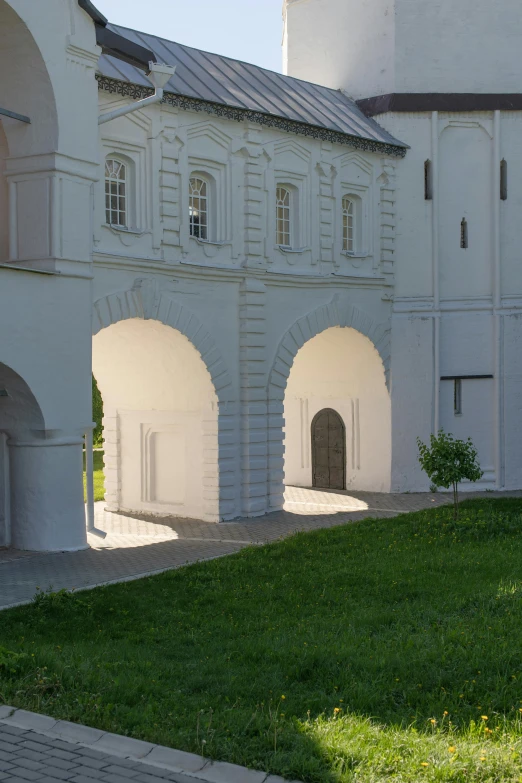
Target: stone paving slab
<point>32,748</point>
<point>140,545</point>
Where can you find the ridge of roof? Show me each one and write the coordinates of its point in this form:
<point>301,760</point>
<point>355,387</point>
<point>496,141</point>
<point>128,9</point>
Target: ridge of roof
<point>205,81</point>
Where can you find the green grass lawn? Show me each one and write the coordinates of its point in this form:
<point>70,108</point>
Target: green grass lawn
<point>99,479</point>
<point>388,650</point>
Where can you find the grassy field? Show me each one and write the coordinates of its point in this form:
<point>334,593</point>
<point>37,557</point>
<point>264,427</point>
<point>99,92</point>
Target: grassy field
<point>388,650</point>
<point>99,479</point>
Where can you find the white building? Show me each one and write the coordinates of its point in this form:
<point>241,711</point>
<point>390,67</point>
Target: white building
<point>279,288</point>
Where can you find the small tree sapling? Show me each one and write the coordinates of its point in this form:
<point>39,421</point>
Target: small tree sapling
<point>448,461</point>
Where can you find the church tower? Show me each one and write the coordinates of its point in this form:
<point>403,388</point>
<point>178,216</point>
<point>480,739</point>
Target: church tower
<point>377,47</point>
<point>445,77</point>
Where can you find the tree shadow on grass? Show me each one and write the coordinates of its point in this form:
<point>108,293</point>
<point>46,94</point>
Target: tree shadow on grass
<point>373,647</point>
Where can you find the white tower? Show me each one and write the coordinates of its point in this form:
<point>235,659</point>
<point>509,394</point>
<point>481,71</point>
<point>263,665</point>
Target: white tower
<point>375,47</point>
<point>444,76</point>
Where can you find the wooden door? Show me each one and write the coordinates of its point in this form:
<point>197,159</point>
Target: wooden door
<point>328,450</point>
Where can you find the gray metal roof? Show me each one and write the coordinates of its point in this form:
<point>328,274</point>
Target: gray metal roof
<point>220,80</point>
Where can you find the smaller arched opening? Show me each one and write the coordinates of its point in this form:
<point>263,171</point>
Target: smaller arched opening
<point>337,414</point>
<point>20,419</point>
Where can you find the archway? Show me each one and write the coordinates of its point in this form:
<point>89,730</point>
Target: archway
<point>338,371</point>
<point>25,84</point>
<point>160,420</point>
<point>20,420</point>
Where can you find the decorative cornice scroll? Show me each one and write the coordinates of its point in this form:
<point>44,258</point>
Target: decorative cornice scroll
<point>136,92</point>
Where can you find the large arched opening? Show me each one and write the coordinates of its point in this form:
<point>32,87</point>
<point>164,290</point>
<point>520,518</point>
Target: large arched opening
<point>160,421</point>
<point>337,413</point>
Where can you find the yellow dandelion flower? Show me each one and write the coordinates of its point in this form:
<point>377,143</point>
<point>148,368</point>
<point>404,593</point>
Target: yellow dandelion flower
<point>452,749</point>
<point>337,709</point>
<point>433,722</point>
<point>424,764</point>
<point>446,712</point>
<point>482,758</point>
<point>283,697</point>
<point>484,717</point>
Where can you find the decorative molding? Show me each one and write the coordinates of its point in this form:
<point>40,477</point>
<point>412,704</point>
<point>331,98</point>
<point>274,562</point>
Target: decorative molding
<point>136,92</point>
<point>309,326</point>
<point>439,101</point>
<point>254,410</point>
<point>388,219</point>
<point>145,301</point>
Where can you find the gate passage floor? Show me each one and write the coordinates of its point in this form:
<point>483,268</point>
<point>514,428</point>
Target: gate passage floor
<point>140,545</point>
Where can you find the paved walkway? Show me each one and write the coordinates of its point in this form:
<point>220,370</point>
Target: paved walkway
<point>138,546</point>
<point>35,747</point>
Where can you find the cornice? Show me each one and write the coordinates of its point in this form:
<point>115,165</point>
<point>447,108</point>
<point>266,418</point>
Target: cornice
<point>137,92</point>
<point>438,101</point>
<point>211,274</point>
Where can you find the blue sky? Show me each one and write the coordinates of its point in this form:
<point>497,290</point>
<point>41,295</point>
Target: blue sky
<point>248,30</point>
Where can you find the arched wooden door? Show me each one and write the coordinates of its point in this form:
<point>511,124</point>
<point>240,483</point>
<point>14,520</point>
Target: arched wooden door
<point>328,450</point>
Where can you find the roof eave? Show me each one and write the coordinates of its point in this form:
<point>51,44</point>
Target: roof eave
<point>117,46</point>
<point>93,12</point>
<point>237,113</point>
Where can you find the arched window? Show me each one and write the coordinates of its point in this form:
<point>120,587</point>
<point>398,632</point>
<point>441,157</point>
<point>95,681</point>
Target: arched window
<point>349,216</point>
<point>199,208</point>
<point>284,217</point>
<point>116,184</point>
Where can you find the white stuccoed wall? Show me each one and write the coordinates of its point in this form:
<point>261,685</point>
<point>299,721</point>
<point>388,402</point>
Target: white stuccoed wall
<point>456,311</point>
<point>47,63</point>
<point>340,369</point>
<point>375,47</point>
<point>246,305</point>
<point>4,199</point>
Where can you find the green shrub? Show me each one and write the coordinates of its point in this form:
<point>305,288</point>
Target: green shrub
<point>97,413</point>
<point>448,461</point>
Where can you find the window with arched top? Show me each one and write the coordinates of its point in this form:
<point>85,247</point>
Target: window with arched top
<point>285,228</point>
<point>199,196</point>
<point>116,193</point>
<point>353,230</point>
<point>349,227</point>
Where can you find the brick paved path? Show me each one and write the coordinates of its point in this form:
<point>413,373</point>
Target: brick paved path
<point>138,546</point>
<point>41,749</point>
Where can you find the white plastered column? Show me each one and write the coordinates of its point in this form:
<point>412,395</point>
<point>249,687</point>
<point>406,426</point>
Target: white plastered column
<point>42,471</point>
<point>47,73</point>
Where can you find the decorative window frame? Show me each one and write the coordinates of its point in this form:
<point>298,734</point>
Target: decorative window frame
<point>121,176</point>
<point>361,196</point>
<point>357,178</point>
<point>134,156</point>
<point>293,216</point>
<point>210,188</point>
<point>298,185</point>
<point>358,224</point>
<point>217,176</point>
